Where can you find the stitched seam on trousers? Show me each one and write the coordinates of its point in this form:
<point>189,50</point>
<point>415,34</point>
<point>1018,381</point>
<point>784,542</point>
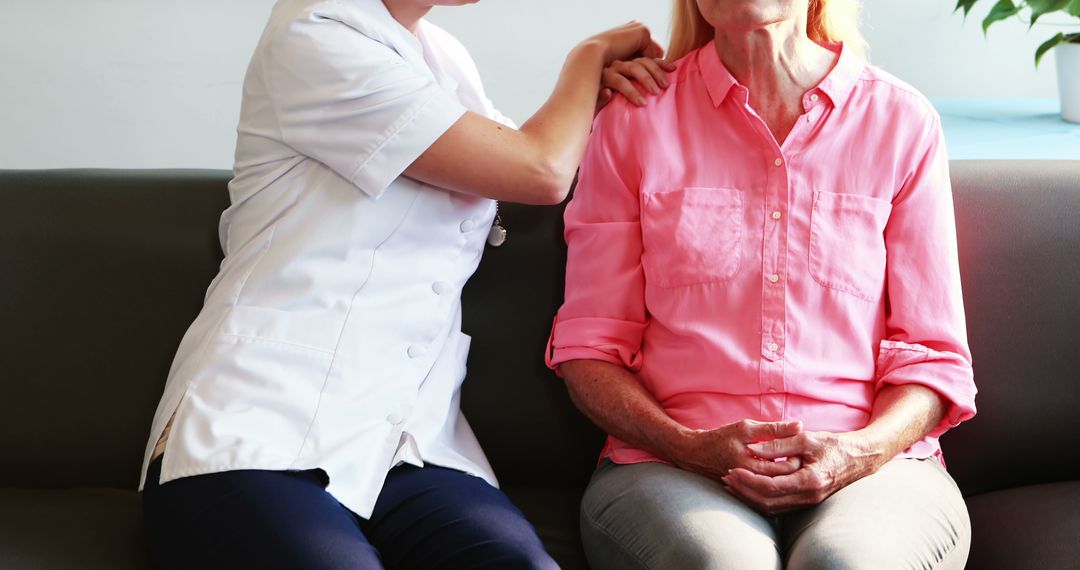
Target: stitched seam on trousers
<point>634,555</point>
<point>952,550</point>
<point>957,534</point>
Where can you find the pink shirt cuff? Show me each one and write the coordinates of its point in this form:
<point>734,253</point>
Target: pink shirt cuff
<point>595,338</point>
<point>947,373</point>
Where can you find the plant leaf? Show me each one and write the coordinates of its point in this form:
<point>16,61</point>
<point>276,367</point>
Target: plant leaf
<point>967,4</point>
<point>1047,46</point>
<point>1002,10</point>
<point>1040,7</point>
<point>1074,8</point>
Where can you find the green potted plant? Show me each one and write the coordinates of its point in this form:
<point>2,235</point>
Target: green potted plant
<point>1066,46</point>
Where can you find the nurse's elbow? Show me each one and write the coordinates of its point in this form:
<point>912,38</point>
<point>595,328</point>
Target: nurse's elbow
<point>550,183</point>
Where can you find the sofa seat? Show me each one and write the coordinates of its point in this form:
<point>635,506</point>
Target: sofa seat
<point>87,528</point>
<point>1035,526</point>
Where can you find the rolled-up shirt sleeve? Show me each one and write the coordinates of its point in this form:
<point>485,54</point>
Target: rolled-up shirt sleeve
<point>603,314</point>
<point>353,103</point>
<point>926,336</point>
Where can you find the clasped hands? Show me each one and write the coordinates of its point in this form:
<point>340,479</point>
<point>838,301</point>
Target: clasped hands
<point>776,467</point>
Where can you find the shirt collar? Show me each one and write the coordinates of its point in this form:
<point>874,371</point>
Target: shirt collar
<point>718,80</point>
<point>373,19</point>
<point>837,84</point>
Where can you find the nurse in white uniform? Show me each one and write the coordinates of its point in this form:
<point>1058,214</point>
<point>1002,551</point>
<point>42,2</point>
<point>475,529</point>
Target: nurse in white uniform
<point>311,418</point>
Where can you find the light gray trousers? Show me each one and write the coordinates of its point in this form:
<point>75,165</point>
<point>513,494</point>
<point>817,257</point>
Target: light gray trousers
<point>909,514</point>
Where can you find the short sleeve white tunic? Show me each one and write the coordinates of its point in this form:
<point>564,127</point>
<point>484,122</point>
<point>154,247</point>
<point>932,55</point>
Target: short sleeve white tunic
<point>331,336</point>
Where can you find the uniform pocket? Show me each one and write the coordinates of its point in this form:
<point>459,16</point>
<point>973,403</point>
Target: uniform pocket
<point>260,383</point>
<point>691,236</point>
<point>847,243</point>
<point>315,332</point>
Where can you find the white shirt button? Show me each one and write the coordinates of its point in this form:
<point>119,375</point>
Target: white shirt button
<point>814,97</point>
<point>416,351</point>
<point>395,418</point>
<point>774,278</point>
<point>776,215</point>
<point>440,287</point>
<point>467,226</point>
<point>809,118</point>
<point>774,347</point>
<point>778,162</point>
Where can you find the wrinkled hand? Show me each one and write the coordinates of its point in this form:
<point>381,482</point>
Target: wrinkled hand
<point>628,77</point>
<point>715,452</point>
<point>830,462</point>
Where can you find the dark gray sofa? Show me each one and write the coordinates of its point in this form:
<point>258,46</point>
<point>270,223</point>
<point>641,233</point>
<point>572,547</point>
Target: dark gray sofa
<point>102,271</point>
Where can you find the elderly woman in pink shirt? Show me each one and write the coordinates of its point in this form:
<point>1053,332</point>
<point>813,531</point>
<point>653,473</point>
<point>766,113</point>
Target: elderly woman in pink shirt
<point>763,306</point>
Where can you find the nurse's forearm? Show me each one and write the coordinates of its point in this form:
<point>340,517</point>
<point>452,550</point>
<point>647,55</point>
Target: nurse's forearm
<point>536,164</point>
<point>559,129</point>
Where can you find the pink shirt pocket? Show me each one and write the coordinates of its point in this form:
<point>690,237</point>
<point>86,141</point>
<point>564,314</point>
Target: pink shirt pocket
<point>847,243</point>
<point>694,234</point>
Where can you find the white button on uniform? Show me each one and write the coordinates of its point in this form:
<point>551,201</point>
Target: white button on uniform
<point>774,278</point>
<point>809,118</point>
<point>416,351</point>
<point>814,97</point>
<point>774,347</point>
<point>778,161</point>
<point>776,215</point>
<point>467,226</point>
<point>440,287</point>
<point>395,418</point>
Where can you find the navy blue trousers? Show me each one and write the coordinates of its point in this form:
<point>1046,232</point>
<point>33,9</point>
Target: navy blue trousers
<point>424,519</point>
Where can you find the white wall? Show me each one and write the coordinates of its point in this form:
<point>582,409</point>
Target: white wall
<point>156,83</point>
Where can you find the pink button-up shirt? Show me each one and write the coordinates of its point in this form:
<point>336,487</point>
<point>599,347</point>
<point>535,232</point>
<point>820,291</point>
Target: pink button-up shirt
<point>742,279</point>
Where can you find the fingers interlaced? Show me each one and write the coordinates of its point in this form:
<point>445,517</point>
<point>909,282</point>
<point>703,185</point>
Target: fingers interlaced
<point>773,468</point>
<point>765,431</point>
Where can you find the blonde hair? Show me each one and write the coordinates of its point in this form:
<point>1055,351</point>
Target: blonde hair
<point>827,21</point>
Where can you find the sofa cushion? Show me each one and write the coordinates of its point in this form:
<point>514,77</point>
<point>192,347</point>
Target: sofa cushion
<point>1037,526</point>
<point>78,528</point>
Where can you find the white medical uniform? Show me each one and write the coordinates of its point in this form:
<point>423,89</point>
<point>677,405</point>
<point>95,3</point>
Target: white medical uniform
<point>331,336</point>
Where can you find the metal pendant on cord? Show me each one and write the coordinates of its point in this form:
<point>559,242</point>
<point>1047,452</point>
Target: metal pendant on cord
<point>497,233</point>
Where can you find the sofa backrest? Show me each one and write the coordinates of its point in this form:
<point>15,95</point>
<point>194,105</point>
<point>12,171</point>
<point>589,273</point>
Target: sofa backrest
<point>1018,226</point>
<point>102,271</point>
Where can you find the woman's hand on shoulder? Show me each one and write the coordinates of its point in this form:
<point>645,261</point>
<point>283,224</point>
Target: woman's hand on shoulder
<point>628,77</point>
<point>535,164</point>
<point>627,41</point>
<point>632,58</point>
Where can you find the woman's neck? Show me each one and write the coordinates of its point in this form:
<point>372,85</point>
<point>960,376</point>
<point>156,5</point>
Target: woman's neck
<point>774,58</point>
<point>408,12</point>
<point>778,63</point>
